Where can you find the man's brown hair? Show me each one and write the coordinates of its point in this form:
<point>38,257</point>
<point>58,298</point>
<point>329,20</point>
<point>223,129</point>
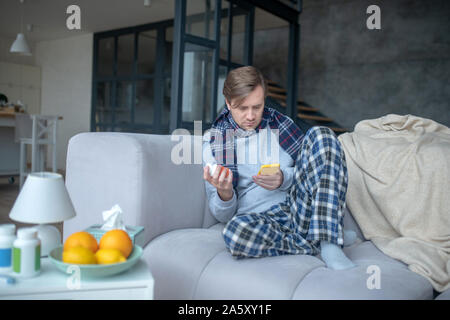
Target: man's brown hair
<point>240,82</point>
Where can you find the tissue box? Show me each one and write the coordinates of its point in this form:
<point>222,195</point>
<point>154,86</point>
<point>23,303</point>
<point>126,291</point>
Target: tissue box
<point>136,233</point>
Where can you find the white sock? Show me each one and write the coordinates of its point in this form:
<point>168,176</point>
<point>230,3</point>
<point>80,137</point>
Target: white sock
<point>334,257</point>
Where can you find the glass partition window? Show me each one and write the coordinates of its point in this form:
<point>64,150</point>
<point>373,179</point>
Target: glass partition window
<point>200,18</point>
<point>147,52</point>
<point>132,77</point>
<point>133,87</point>
<point>267,35</point>
<point>144,101</point>
<point>104,105</point>
<point>122,110</point>
<point>105,66</point>
<point>197,83</point>
<point>125,55</point>
<point>238,34</point>
<point>168,52</point>
<point>165,116</point>
<point>166,83</point>
<point>224,22</point>
<point>238,38</point>
<point>221,81</point>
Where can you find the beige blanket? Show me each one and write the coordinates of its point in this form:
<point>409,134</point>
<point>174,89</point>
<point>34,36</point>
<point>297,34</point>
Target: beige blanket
<point>399,190</point>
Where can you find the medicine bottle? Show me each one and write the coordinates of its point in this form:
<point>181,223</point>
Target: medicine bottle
<point>7,237</point>
<point>27,253</point>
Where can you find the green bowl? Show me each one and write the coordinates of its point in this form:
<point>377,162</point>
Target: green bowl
<point>95,270</point>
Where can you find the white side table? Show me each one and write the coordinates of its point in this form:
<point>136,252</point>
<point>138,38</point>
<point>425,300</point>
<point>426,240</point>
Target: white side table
<point>133,284</point>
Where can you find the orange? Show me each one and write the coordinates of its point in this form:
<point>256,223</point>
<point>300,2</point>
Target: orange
<point>79,255</point>
<point>108,256</point>
<point>117,239</point>
<point>81,239</point>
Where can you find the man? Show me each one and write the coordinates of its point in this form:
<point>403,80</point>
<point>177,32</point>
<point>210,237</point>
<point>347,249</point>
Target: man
<point>298,209</point>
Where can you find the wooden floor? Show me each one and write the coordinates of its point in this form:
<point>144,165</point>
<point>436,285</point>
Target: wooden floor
<point>8,195</point>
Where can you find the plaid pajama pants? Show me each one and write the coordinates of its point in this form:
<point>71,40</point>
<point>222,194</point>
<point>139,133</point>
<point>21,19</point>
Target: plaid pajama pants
<point>313,210</point>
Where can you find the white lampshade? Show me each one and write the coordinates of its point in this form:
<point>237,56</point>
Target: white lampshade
<point>43,199</point>
<point>20,45</point>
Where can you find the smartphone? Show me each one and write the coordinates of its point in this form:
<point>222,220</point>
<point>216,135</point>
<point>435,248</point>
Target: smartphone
<point>268,169</point>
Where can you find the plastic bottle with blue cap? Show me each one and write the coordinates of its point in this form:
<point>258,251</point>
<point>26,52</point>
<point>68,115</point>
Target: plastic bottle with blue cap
<point>7,237</point>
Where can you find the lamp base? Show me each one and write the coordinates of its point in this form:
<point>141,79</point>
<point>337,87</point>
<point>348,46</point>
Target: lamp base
<point>50,238</point>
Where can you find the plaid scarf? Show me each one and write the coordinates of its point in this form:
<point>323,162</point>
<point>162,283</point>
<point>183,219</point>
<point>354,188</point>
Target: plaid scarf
<point>225,129</point>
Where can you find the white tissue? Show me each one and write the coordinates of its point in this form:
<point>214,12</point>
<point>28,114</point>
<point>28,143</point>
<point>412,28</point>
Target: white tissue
<point>113,219</point>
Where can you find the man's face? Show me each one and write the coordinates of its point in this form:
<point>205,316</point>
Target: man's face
<point>249,114</point>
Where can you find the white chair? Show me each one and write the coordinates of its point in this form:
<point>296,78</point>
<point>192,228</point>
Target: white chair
<point>39,131</point>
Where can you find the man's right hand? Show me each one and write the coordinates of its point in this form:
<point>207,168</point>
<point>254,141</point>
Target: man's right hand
<point>222,180</point>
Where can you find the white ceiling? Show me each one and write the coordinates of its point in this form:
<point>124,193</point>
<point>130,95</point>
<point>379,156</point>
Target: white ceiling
<point>48,17</point>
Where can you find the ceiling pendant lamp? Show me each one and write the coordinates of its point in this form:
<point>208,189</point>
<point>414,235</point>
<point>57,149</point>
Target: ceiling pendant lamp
<point>20,45</point>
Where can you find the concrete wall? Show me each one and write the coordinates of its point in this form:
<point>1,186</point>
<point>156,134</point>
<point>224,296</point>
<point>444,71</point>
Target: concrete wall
<point>66,67</point>
<point>351,73</point>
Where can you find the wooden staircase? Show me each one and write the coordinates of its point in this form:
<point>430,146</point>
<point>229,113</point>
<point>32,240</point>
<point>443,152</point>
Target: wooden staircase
<point>306,113</point>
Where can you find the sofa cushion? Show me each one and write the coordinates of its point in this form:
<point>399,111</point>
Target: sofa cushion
<point>444,295</point>
<point>177,259</point>
<point>396,281</point>
<point>135,171</point>
<point>258,278</point>
<point>194,264</point>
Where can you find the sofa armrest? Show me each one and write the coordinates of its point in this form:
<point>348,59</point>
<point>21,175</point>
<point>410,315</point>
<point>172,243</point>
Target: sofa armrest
<point>134,171</point>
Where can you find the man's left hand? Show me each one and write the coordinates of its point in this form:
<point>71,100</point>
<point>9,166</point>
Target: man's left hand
<point>269,182</point>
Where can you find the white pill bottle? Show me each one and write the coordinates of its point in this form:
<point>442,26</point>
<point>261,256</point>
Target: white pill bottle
<point>27,253</point>
<point>7,237</point>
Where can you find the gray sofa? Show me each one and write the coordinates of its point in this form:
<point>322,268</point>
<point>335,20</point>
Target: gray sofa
<point>185,249</point>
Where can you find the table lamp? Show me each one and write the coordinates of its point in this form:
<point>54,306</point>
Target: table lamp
<point>44,199</point>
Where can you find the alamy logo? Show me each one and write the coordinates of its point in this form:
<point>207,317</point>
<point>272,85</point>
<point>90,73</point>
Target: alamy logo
<point>74,20</point>
<point>74,281</point>
<point>264,146</point>
<point>374,280</point>
<point>374,20</point>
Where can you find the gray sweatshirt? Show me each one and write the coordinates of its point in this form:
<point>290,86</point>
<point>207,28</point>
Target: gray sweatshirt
<point>248,197</point>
